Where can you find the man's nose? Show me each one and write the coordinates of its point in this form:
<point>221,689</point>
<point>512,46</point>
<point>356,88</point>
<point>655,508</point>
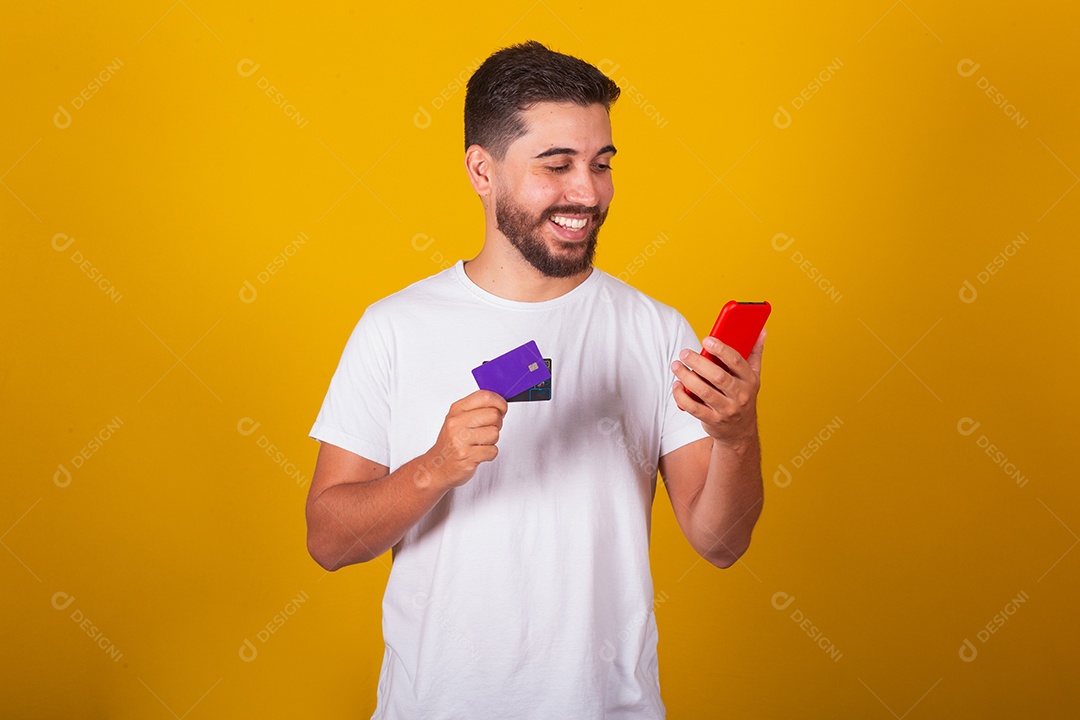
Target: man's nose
<point>583,188</point>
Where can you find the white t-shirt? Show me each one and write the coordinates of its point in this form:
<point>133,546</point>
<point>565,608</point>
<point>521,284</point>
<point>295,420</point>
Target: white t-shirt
<point>526,592</point>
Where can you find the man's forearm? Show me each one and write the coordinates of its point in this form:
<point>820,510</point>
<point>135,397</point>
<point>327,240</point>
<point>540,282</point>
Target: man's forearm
<point>359,521</point>
<point>730,502</point>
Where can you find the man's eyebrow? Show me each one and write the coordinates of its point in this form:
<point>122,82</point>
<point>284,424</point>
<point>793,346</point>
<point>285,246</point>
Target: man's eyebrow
<point>571,151</point>
<point>556,151</point>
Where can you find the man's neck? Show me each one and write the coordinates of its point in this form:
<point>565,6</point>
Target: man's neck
<point>508,275</point>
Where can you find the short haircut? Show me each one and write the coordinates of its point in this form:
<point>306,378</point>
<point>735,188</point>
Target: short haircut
<point>514,79</point>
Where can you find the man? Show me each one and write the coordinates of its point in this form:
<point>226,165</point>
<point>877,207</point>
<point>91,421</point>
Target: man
<point>520,585</point>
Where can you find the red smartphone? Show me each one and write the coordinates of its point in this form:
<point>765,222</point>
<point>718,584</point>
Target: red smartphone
<point>738,325</point>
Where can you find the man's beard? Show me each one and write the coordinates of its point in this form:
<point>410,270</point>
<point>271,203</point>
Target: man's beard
<point>525,233</point>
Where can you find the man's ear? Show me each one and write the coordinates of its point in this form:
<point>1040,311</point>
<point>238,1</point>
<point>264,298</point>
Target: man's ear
<point>480,166</point>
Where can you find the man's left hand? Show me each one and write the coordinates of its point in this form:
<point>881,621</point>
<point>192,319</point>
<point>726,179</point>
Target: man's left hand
<point>728,406</point>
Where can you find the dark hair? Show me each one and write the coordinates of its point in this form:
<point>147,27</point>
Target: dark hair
<point>516,78</point>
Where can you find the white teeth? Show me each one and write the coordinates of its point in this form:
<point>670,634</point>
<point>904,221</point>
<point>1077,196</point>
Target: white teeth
<point>570,223</point>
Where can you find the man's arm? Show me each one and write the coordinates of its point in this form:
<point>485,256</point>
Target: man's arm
<point>357,510</point>
<point>715,483</point>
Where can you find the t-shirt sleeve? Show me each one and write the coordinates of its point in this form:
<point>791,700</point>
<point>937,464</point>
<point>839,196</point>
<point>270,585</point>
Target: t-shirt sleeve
<point>680,427</point>
<point>355,413</point>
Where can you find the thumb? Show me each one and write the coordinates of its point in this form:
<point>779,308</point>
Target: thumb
<point>755,355</point>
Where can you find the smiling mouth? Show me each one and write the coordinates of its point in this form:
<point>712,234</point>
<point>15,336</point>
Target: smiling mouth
<point>570,223</point>
<point>570,228</point>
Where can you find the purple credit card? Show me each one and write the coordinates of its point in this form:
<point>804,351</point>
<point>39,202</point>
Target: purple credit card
<point>513,372</point>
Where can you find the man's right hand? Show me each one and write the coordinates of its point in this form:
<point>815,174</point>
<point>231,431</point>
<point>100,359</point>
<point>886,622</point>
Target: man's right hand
<point>468,437</point>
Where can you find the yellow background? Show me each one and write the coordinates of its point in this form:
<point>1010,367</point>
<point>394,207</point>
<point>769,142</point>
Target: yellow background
<point>893,541</point>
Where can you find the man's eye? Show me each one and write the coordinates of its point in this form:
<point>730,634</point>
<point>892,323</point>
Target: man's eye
<point>602,167</point>
<point>558,168</point>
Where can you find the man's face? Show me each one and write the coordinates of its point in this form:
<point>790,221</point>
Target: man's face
<point>553,188</point>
